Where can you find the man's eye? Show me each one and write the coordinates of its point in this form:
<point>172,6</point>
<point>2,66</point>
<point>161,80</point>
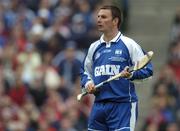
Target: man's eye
<point>101,16</point>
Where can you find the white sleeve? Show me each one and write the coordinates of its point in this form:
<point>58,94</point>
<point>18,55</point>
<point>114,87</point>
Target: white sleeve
<point>88,65</point>
<point>88,62</point>
<point>135,51</point>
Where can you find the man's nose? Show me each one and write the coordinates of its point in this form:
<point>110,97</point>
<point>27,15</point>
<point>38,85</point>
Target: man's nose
<point>98,20</point>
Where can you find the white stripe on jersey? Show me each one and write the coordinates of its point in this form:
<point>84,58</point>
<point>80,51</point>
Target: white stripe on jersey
<point>89,129</point>
<point>133,116</point>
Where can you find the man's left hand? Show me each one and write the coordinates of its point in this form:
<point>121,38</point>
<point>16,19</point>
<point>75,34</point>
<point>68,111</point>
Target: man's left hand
<point>126,73</point>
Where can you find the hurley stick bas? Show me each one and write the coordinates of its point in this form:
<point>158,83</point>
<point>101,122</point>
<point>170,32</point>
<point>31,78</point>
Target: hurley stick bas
<point>137,66</point>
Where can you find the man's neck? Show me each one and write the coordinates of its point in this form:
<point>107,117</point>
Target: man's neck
<point>108,36</point>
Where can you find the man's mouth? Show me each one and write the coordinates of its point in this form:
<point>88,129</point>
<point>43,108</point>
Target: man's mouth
<point>99,25</point>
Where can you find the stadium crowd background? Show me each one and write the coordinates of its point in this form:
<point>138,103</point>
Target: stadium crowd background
<point>164,114</point>
<point>42,43</point>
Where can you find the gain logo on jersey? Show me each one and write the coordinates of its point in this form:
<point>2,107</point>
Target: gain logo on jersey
<point>118,51</point>
<point>106,70</point>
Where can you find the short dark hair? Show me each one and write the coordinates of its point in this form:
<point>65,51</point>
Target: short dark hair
<point>116,13</point>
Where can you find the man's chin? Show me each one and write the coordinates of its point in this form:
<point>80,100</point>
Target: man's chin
<point>100,29</point>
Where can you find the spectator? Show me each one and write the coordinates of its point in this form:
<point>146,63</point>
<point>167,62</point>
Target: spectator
<point>175,31</point>
<point>69,68</point>
<point>174,60</point>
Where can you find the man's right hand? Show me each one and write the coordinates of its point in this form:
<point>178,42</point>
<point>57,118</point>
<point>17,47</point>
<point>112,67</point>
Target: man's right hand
<point>90,88</point>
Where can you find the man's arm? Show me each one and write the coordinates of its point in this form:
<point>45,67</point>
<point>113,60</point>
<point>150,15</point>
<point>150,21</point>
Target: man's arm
<point>145,72</point>
<point>86,71</point>
<point>136,53</point>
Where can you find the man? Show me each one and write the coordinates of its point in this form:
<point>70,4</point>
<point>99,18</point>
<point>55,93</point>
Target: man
<point>115,106</point>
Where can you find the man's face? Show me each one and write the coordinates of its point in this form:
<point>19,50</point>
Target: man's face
<point>104,20</point>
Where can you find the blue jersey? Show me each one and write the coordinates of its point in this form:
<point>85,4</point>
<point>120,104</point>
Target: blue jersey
<point>105,60</point>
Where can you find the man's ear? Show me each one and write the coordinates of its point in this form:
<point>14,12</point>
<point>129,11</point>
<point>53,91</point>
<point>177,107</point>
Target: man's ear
<point>115,21</point>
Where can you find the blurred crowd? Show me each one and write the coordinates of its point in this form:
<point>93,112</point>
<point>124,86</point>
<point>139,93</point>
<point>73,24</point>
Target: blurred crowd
<point>42,44</point>
<point>164,114</point>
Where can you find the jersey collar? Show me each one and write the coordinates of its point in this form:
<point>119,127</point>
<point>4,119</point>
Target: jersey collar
<point>115,39</point>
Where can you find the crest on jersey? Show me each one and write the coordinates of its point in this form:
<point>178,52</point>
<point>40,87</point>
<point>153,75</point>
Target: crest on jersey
<point>118,51</point>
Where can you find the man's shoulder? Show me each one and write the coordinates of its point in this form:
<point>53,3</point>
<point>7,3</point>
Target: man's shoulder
<point>97,42</point>
<point>126,39</point>
<point>130,43</point>
<point>94,44</point>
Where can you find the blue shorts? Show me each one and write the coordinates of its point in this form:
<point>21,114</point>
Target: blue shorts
<point>110,116</point>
